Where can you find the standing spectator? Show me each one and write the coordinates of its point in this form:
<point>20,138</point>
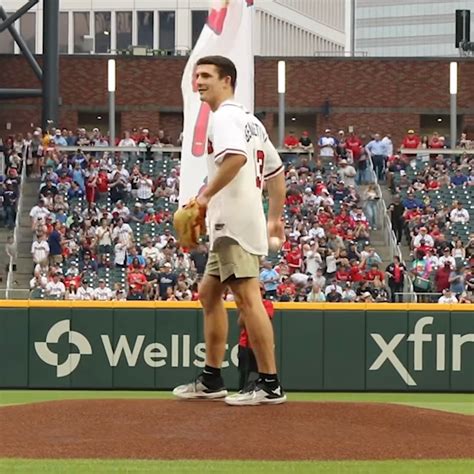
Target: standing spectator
<point>55,245</point>
<point>396,278</point>
<point>347,173</point>
<point>10,199</point>
<point>387,140</point>
<point>166,279</point>
<point>327,145</point>
<point>371,198</point>
<point>37,212</point>
<point>12,253</point>
<point>377,150</point>
<point>411,141</point>
<point>442,277</point>
<point>270,278</point>
<point>40,249</point>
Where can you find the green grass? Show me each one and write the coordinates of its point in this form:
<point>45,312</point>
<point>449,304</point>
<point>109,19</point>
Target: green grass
<point>230,467</point>
<point>451,402</point>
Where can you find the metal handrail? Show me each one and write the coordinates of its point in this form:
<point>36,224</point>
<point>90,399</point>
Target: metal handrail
<point>17,227</point>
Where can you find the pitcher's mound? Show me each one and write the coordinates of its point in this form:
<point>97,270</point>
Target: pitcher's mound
<point>168,429</point>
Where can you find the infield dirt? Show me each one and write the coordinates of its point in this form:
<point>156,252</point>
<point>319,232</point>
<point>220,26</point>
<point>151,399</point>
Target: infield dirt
<point>166,429</point>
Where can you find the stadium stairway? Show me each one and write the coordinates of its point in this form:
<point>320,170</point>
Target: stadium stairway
<point>24,271</point>
<point>4,233</point>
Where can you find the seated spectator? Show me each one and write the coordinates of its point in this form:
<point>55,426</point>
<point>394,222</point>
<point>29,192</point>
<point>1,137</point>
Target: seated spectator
<point>459,214</point>
<point>55,288</point>
<point>448,297</point>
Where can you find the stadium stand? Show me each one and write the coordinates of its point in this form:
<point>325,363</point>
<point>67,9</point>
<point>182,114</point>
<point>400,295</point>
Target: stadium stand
<point>101,221</point>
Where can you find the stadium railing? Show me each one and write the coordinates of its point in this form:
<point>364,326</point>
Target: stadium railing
<point>16,231</point>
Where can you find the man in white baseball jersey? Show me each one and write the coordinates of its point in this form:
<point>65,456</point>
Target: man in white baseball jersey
<point>240,158</point>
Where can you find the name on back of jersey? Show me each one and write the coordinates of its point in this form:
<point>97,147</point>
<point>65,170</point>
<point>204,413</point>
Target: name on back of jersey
<point>253,129</point>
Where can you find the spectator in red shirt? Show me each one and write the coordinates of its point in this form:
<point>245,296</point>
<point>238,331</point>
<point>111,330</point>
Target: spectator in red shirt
<point>248,371</point>
<point>411,140</point>
<point>354,145</point>
<point>442,277</point>
<point>294,259</point>
<point>374,272</point>
<point>291,142</point>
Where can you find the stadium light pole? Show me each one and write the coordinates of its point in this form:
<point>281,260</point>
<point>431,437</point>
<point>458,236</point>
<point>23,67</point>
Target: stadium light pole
<point>453,91</point>
<point>111,88</point>
<point>281,101</point>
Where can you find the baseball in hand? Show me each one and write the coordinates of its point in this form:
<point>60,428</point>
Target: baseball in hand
<point>274,244</point>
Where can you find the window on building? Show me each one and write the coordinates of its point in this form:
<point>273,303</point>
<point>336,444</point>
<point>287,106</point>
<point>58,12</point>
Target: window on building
<point>6,41</point>
<point>102,32</point>
<point>145,29</point>
<point>199,18</point>
<point>124,30</point>
<point>81,32</point>
<point>167,31</point>
<point>63,32</point>
<point>28,30</point>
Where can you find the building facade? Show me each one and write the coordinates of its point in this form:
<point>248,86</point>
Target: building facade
<point>281,27</point>
<point>372,95</point>
<point>408,27</point>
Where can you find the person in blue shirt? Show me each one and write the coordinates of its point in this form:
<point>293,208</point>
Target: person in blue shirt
<point>459,179</point>
<point>411,202</point>
<point>378,150</point>
<point>270,279</point>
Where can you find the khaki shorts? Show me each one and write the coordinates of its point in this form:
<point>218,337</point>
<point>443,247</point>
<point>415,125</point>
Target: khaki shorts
<point>230,259</point>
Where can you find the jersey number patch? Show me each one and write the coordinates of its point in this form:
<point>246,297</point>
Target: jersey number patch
<point>260,161</point>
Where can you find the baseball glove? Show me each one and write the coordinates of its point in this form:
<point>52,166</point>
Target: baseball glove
<point>190,223</point>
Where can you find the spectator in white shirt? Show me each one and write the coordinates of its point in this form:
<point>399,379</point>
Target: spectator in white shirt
<point>447,257</point>
<point>327,144</point>
<point>347,173</point>
<point>85,291</point>
<point>145,186</point>
<point>151,252</point>
<point>72,292</point>
<point>387,140</point>
<point>40,249</point>
<point>38,281</point>
<point>332,286</point>
<point>122,210</point>
<point>122,233</point>
<point>448,297</point>
<point>316,232</point>
<point>56,287</point>
<point>40,210</point>
<point>423,235</point>
<point>102,293</point>
<point>459,214</point>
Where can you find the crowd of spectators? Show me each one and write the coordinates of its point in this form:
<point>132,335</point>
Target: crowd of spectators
<point>102,225</point>
<point>433,195</point>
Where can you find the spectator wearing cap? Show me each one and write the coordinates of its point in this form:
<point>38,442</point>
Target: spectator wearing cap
<point>58,138</point>
<point>40,249</point>
<point>38,211</point>
<point>166,279</point>
<point>423,236</point>
<point>411,141</point>
<point>121,210</point>
<point>85,291</point>
<point>378,152</point>
<point>327,145</point>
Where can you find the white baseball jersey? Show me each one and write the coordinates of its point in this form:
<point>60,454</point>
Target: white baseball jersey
<point>236,211</point>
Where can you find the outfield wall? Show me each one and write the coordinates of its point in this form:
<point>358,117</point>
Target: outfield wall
<point>154,345</point>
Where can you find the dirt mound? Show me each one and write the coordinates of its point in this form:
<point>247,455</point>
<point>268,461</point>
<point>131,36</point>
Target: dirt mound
<point>167,429</point>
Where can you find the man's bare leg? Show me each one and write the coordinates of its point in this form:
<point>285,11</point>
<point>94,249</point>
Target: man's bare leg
<point>216,324</point>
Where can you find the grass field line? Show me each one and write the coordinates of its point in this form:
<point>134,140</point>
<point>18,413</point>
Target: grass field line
<point>230,467</point>
<point>456,403</point>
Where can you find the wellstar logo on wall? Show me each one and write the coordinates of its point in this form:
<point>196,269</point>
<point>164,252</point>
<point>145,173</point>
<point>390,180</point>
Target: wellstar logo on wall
<point>178,353</point>
<point>418,337</point>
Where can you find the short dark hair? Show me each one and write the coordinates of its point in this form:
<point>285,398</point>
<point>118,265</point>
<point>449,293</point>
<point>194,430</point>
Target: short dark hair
<point>224,66</point>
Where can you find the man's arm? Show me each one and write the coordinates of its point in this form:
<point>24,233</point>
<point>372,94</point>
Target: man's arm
<point>276,192</point>
<point>227,171</point>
